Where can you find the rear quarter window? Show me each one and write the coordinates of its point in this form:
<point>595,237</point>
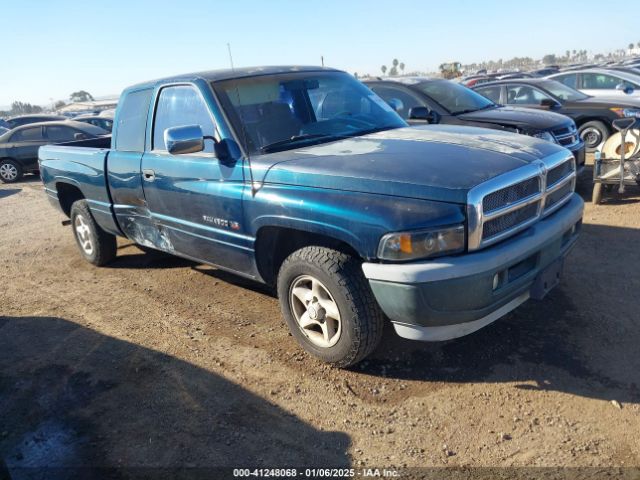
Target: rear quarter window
<point>132,121</point>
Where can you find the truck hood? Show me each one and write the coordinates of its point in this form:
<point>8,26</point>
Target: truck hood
<point>525,118</point>
<point>433,162</point>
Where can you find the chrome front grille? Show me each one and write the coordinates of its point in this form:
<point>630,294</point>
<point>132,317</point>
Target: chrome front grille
<point>566,136</point>
<point>513,201</point>
<point>512,193</point>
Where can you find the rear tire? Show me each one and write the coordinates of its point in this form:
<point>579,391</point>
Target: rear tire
<point>593,133</point>
<point>333,313</point>
<point>10,171</point>
<point>96,246</point>
<point>596,196</point>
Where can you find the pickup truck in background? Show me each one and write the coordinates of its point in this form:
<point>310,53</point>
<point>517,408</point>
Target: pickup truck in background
<point>304,179</point>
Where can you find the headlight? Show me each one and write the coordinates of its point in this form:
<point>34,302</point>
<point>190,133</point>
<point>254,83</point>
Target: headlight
<point>626,112</point>
<point>545,136</point>
<point>421,244</point>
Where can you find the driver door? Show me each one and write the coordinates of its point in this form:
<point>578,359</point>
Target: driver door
<point>194,200</point>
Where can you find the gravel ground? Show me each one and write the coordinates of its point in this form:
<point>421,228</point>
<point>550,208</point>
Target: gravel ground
<point>158,361</point>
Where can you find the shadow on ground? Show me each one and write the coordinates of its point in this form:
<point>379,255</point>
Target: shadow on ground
<point>7,192</point>
<point>70,396</point>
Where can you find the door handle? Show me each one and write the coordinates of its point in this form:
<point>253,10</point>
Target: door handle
<point>148,175</point>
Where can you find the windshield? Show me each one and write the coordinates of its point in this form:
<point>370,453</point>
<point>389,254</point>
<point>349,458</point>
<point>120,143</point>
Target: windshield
<point>563,92</point>
<point>280,112</point>
<point>454,97</point>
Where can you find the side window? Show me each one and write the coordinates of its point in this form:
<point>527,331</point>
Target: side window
<point>524,95</point>
<point>28,135</point>
<point>181,105</point>
<point>570,80</point>
<point>60,134</point>
<point>492,93</point>
<point>132,121</point>
<point>399,99</point>
<point>599,81</point>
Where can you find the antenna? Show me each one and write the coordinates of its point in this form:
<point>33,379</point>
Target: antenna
<point>254,188</point>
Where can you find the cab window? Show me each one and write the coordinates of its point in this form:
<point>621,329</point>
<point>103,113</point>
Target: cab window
<point>599,81</point>
<point>524,95</point>
<point>570,79</point>
<point>492,93</point>
<point>178,106</point>
<point>399,99</point>
<point>28,135</point>
<point>132,121</point>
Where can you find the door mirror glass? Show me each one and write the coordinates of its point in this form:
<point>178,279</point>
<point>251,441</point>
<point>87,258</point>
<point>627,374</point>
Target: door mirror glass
<point>423,113</point>
<point>549,103</point>
<point>625,87</point>
<point>184,139</point>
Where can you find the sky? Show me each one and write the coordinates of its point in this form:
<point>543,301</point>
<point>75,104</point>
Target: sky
<point>56,47</point>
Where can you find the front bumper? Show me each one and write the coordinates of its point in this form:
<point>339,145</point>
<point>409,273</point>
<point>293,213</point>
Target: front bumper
<point>450,297</point>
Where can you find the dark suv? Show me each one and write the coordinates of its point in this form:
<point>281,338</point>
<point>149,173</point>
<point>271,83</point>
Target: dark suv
<point>419,100</point>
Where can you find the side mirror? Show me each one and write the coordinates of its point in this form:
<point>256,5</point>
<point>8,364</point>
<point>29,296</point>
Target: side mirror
<point>184,139</point>
<point>549,103</point>
<point>624,87</point>
<point>624,123</point>
<point>396,104</point>
<point>227,151</point>
<point>423,113</point>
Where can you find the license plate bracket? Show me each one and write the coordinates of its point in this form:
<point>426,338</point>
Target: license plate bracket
<point>547,279</point>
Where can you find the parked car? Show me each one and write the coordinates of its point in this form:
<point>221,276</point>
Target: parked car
<point>599,82</point>
<point>451,103</point>
<point>14,122</point>
<point>19,147</point>
<point>105,123</point>
<point>592,115</point>
<point>305,179</point>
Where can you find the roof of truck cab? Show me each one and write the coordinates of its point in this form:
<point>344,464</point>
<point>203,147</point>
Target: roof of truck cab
<point>228,74</point>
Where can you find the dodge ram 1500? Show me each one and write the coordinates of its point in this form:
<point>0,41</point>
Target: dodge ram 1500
<point>304,179</point>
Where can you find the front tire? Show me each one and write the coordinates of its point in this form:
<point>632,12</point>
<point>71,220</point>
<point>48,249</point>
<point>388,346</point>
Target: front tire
<point>10,171</point>
<point>329,306</point>
<point>96,246</point>
<point>593,133</point>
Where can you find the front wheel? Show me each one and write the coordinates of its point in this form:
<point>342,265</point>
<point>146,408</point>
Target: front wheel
<point>96,246</point>
<point>329,306</point>
<point>10,171</point>
<point>593,133</point>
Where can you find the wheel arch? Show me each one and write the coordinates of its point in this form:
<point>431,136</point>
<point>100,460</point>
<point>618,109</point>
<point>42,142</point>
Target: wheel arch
<point>275,243</point>
<point>68,193</point>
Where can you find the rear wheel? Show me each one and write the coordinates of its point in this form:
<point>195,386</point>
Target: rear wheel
<point>593,133</point>
<point>10,171</point>
<point>96,246</point>
<point>329,306</point>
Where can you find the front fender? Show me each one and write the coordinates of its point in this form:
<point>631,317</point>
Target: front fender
<point>358,219</point>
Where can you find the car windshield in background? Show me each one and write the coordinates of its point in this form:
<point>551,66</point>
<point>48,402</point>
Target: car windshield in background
<point>281,112</point>
<point>561,91</point>
<point>455,98</point>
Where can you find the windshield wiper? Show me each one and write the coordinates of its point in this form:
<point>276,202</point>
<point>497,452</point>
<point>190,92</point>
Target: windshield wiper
<point>471,110</point>
<point>297,138</point>
<point>373,130</point>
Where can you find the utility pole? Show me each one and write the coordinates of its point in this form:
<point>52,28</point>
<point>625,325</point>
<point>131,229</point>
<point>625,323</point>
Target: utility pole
<point>322,60</point>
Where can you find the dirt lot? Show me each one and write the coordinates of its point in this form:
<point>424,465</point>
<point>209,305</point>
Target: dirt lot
<point>157,361</point>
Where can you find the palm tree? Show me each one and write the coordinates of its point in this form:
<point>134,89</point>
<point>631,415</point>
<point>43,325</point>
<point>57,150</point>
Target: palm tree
<point>395,62</point>
<point>631,46</point>
<point>384,69</point>
<point>402,67</point>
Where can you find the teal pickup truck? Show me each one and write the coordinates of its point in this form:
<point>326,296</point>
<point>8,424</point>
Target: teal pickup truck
<point>304,179</point>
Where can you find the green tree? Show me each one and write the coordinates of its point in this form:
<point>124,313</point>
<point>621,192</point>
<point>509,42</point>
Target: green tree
<point>384,69</point>
<point>81,96</point>
<point>631,46</point>
<point>59,104</point>
<point>402,67</point>
<point>549,59</point>
<point>22,108</point>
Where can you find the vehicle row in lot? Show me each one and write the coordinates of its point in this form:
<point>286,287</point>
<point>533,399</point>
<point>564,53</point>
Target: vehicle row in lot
<point>592,115</point>
<point>19,146</point>
<point>304,179</point>
<point>420,99</point>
